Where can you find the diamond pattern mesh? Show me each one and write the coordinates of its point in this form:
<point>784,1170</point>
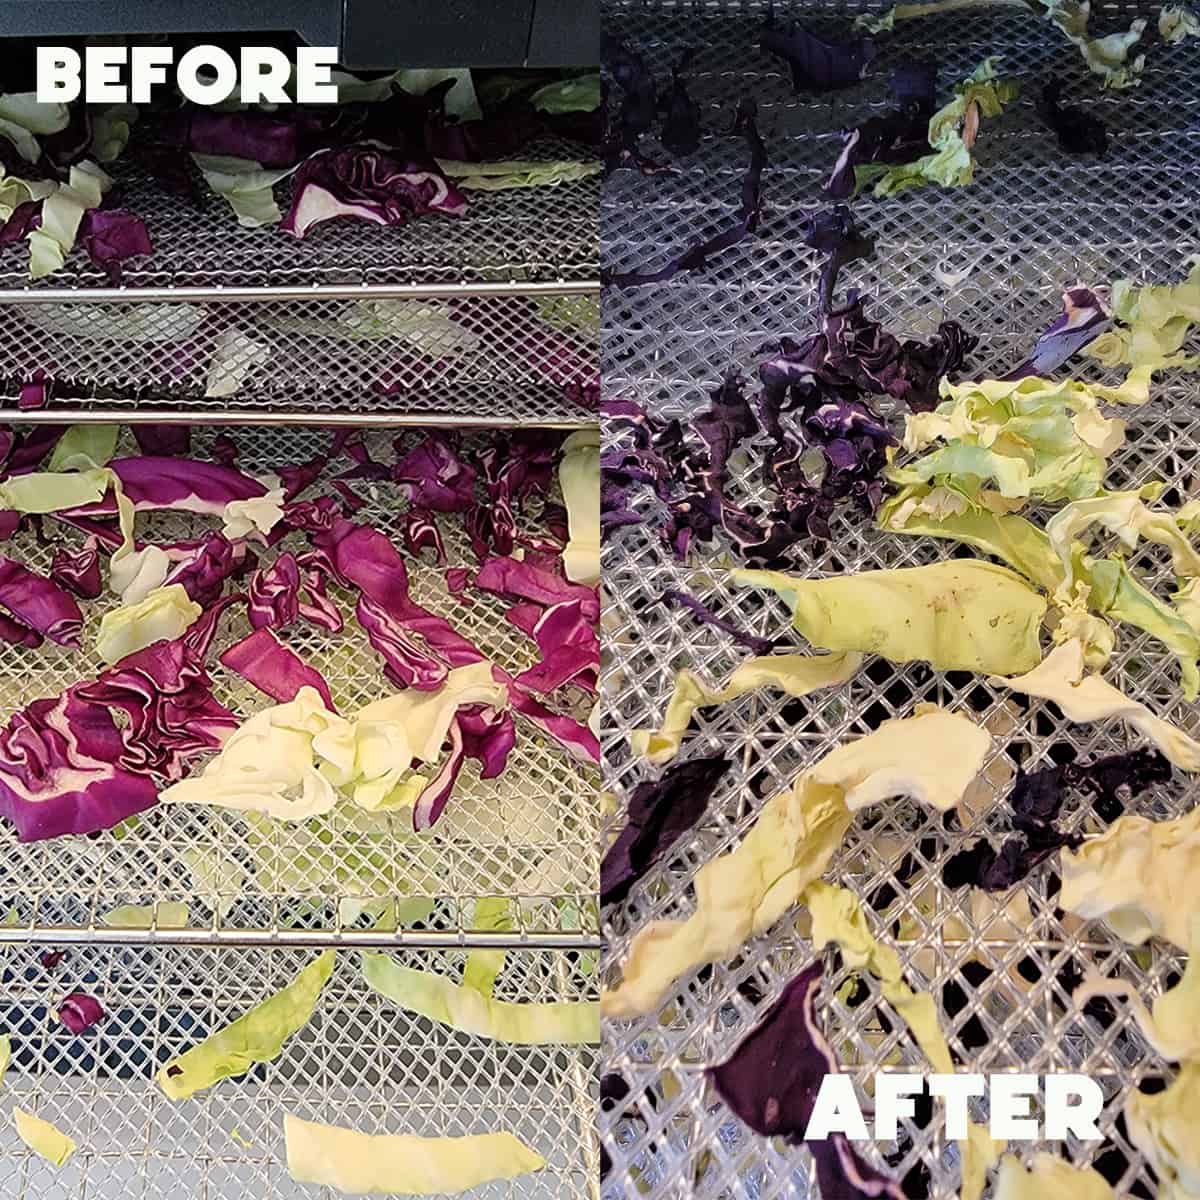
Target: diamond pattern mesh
<point>359,1062</point>
<point>509,360</point>
<point>529,834</point>
<point>994,256</point>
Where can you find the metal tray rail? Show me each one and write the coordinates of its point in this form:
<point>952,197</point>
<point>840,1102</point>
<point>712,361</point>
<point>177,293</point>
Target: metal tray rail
<point>531,834</point>
<point>360,1062</point>
<point>1001,968</point>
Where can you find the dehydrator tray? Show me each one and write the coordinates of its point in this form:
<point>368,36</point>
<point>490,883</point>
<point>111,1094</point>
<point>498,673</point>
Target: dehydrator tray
<point>530,835</point>
<point>359,1062</point>
<point>1034,221</point>
<point>491,317</point>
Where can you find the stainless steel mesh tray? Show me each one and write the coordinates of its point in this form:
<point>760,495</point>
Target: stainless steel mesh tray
<point>359,1062</point>
<point>531,834</point>
<point>1033,222</point>
<point>224,322</point>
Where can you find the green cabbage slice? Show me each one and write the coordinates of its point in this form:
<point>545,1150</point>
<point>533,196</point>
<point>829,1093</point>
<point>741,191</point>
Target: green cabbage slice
<point>168,914</point>
<point>958,615</point>
<point>439,998</point>
<point>255,1037</point>
<point>1048,1177</point>
<point>795,674</point>
<point>367,1164</point>
<point>164,614</point>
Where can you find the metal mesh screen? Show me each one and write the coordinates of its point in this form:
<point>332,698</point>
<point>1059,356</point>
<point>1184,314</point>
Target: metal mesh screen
<point>487,359</point>
<point>360,1062</point>
<point>530,834</point>
<point>994,256</point>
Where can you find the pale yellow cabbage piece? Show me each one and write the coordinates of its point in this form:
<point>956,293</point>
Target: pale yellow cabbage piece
<point>1137,877</point>
<point>1153,322</point>
<point>364,1164</point>
<point>163,615</point>
<point>43,1138</point>
<point>1172,1025</point>
<point>1163,1128</point>
<point>579,478</point>
<point>1126,515</point>
<point>795,674</point>
<point>5,1054</point>
<point>1048,1177</point>
<point>931,756</point>
<point>1086,698</point>
<point>469,1010</point>
<point>958,615</point>
<point>289,759</point>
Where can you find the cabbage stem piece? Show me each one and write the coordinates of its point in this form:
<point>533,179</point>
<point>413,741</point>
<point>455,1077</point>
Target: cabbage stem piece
<point>364,1164</point>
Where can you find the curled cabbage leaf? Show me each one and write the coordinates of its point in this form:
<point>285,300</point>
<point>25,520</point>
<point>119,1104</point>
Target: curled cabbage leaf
<point>163,615</point>
<point>1032,437</point>
<point>931,757</point>
<point>255,1037</point>
<point>368,1164</point>
<point>795,674</point>
<point>959,615</point>
<point>1086,698</point>
<point>1163,1128</point>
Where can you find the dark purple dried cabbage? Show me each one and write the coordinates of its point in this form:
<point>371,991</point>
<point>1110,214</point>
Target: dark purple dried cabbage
<point>705,616</point>
<point>680,133</point>
<point>771,1082</point>
<point>660,812</point>
<point>1078,131</point>
<point>79,1012</point>
<point>1083,319</point>
<point>817,65</point>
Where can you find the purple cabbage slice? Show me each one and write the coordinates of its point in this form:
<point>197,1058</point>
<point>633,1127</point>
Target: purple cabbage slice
<point>79,1012</point>
<point>433,476</point>
<point>815,64</point>
<point>409,662</point>
<point>419,531</point>
<point>1035,802</point>
<point>163,440</point>
<point>274,668</point>
<point>680,133</point>
<point>705,616</point>
<point>1078,131</point>
<point>78,570</point>
<point>60,770</point>
<point>458,580</point>
<point>39,603</point>
<point>1083,319</point>
<point>771,1081</point>
<point>369,184</point>
<point>696,256</point>
<point>636,112</point>
<point>834,233</point>
<point>475,732</point>
<point>514,577</point>
<point>203,566</point>
<point>111,236</point>
<point>166,693</point>
<point>298,477</point>
<point>660,812</point>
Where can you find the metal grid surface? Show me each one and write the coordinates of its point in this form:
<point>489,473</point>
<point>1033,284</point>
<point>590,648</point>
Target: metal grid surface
<point>531,834</point>
<point>529,235</point>
<point>1001,968</point>
<point>495,359</point>
<point>359,1062</point>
